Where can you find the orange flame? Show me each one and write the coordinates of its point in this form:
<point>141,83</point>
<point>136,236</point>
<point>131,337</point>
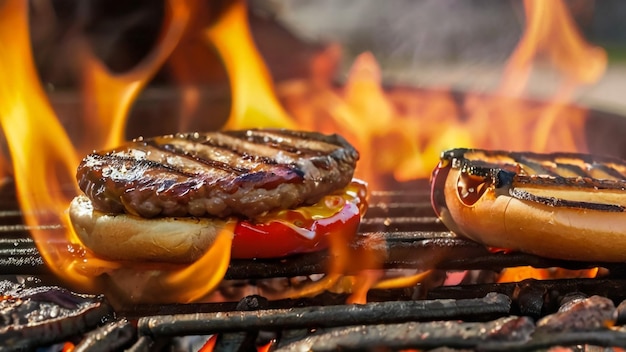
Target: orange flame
<point>267,347</point>
<point>526,272</point>
<point>44,160</point>
<point>109,96</point>
<point>403,130</point>
<point>254,103</point>
<point>550,30</point>
<point>398,131</point>
<point>47,160</point>
<point>183,285</point>
<point>209,345</point>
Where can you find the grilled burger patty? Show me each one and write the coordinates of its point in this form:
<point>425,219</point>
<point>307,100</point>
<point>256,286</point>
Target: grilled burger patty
<point>246,173</point>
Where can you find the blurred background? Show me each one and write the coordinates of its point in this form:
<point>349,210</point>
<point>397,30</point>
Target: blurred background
<point>457,43</point>
<point>402,80</point>
<point>461,44</point>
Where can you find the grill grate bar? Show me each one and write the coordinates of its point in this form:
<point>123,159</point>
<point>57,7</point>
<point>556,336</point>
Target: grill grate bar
<point>112,336</point>
<point>405,209</point>
<point>505,334</point>
<point>143,344</point>
<point>535,298</point>
<point>414,335</point>
<point>20,228</point>
<point>424,223</point>
<point>10,213</point>
<point>419,190</point>
<point>377,312</point>
<point>403,249</point>
<point>256,302</point>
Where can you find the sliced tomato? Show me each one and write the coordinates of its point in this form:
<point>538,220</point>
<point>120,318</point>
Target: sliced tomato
<point>302,230</point>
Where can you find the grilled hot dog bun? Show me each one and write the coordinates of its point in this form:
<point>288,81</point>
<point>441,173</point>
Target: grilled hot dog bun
<point>564,206</point>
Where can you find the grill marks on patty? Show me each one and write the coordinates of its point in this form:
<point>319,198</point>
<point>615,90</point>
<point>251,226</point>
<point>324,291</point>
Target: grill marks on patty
<point>221,173</point>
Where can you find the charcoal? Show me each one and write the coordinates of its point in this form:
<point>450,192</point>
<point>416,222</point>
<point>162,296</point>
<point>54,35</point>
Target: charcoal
<point>417,335</point>
<point>253,302</point>
<point>593,313</point>
<point>621,313</point>
<point>235,341</point>
<point>571,298</point>
<point>614,289</point>
<point>42,315</point>
<point>541,341</point>
<point>143,343</point>
<point>530,299</point>
<point>110,337</point>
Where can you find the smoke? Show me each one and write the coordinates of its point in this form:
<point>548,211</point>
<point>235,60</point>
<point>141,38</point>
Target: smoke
<point>409,31</point>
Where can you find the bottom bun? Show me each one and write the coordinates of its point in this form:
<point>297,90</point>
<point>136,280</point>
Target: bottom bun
<point>131,238</point>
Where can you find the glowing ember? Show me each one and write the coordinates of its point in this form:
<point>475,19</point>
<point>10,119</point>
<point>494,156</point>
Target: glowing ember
<point>266,348</point>
<point>209,345</point>
<point>521,273</point>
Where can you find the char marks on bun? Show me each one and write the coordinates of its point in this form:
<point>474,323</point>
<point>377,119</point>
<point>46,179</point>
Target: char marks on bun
<point>559,205</point>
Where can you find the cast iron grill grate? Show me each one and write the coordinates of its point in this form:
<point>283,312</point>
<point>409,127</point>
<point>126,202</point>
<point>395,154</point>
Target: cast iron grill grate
<point>478,316</point>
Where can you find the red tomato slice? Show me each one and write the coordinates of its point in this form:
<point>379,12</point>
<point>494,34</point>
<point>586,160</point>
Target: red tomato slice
<point>302,230</point>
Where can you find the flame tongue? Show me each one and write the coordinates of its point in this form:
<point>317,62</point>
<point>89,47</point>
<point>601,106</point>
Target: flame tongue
<point>551,31</point>
<point>44,162</point>
<point>182,285</point>
<point>108,96</point>
<point>397,131</point>
<point>403,131</point>
<point>254,103</point>
<point>43,156</point>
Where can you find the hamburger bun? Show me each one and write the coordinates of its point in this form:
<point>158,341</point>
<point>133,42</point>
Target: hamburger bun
<point>127,237</point>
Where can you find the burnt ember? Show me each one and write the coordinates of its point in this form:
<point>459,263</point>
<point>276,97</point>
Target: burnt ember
<point>41,315</point>
<point>485,324</point>
<point>114,335</point>
<point>504,334</point>
<point>588,314</point>
<point>453,334</point>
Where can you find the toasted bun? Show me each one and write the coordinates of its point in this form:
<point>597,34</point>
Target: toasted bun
<point>555,231</point>
<point>128,237</point>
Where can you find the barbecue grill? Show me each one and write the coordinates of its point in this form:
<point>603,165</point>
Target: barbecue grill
<point>459,305</point>
<point>477,314</point>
